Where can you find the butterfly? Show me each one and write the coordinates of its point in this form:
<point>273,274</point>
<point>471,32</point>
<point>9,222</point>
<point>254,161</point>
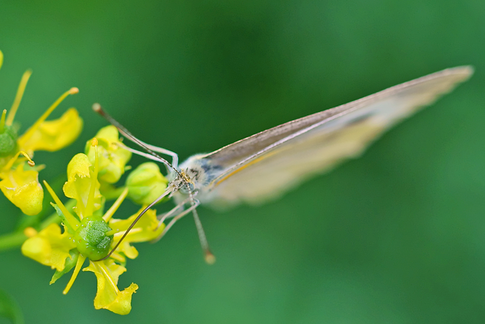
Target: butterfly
<point>266,165</point>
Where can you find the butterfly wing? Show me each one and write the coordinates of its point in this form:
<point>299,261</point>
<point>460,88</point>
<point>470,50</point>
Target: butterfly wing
<point>267,164</point>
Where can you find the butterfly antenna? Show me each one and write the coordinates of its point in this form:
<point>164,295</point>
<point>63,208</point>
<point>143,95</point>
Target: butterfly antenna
<point>208,256</point>
<point>133,224</point>
<point>125,132</point>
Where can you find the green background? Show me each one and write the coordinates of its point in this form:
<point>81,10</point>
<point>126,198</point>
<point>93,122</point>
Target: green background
<point>397,236</point>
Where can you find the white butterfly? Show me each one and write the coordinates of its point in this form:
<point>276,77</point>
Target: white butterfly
<point>265,165</point>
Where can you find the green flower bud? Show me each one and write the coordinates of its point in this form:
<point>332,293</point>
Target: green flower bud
<point>8,141</point>
<point>91,238</point>
<point>146,183</point>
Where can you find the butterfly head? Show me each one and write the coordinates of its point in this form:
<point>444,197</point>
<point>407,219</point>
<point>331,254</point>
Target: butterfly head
<point>182,181</point>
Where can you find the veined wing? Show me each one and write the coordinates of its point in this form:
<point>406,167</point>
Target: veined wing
<point>267,164</point>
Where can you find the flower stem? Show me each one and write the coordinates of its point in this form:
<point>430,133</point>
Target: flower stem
<point>18,96</point>
<point>2,121</point>
<point>107,216</point>
<point>12,240</point>
<point>15,239</point>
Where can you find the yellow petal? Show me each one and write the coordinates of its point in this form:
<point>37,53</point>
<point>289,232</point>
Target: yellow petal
<point>23,189</point>
<point>1,59</point>
<point>78,167</point>
<point>49,247</point>
<point>146,229</point>
<point>54,135</point>
<point>80,178</point>
<point>108,296</point>
<point>33,129</point>
<point>122,304</point>
<point>112,157</point>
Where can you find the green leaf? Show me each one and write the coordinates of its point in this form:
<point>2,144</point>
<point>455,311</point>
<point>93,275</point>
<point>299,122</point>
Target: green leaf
<point>10,309</point>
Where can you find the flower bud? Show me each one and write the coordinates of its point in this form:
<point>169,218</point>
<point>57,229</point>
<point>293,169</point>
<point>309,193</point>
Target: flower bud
<point>146,183</point>
<point>8,141</point>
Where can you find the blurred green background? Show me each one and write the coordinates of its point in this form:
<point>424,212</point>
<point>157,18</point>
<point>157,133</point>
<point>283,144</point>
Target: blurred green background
<point>397,236</point>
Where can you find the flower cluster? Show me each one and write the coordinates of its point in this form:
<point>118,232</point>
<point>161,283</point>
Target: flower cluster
<point>81,229</point>
<point>89,232</point>
<point>18,173</point>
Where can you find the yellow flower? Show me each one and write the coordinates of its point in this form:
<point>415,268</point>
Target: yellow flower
<point>88,235</point>
<point>42,135</point>
<point>111,156</point>
<point>49,247</point>
<point>108,295</point>
<point>53,135</point>
<point>23,189</point>
<point>81,180</point>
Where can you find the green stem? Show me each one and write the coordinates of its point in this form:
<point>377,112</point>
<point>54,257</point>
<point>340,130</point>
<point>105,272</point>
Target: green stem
<point>2,120</point>
<point>12,240</point>
<point>17,238</point>
<point>53,218</point>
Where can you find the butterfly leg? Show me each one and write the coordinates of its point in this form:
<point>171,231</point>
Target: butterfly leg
<point>209,257</point>
<point>172,212</point>
<point>176,216</point>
